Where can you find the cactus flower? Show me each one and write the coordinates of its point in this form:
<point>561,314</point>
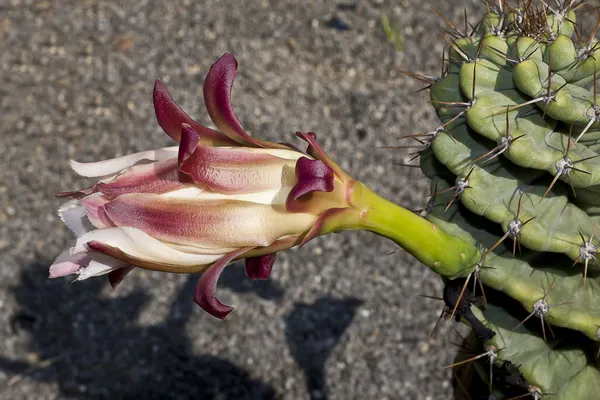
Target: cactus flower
<point>221,195</point>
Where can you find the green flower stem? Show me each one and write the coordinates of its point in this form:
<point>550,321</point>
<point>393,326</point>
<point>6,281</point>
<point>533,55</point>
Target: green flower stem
<point>447,255</point>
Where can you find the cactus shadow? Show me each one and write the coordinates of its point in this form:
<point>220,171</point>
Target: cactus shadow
<point>88,346</point>
<point>313,331</point>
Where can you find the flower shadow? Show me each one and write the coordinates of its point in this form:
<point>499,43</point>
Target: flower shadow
<point>313,331</point>
<point>88,346</point>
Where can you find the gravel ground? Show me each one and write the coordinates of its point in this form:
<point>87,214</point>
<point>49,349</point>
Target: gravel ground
<point>340,318</point>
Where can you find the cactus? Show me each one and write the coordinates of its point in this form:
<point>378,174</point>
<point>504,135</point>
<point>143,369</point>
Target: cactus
<point>515,172</point>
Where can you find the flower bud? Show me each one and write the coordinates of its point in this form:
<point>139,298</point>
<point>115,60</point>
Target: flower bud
<point>219,196</point>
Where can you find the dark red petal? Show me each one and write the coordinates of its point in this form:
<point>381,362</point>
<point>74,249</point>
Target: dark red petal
<point>170,118</point>
<point>217,98</point>
<point>259,268</point>
<point>207,284</point>
<point>115,277</point>
<point>311,175</point>
<point>188,144</point>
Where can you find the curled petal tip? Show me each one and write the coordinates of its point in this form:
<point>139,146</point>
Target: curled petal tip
<point>312,175</point>
<point>259,268</point>
<point>170,117</point>
<point>204,295</point>
<point>168,113</point>
<point>217,98</point>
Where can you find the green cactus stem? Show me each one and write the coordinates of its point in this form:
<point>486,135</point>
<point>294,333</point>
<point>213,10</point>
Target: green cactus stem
<point>447,255</point>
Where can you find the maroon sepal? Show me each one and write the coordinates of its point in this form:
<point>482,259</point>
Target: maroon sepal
<point>312,176</point>
<point>259,268</point>
<point>116,277</point>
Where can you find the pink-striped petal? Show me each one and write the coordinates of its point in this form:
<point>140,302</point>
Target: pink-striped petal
<point>207,223</point>
<point>238,170</point>
<point>259,268</point>
<point>94,209</point>
<point>115,165</point>
<point>217,97</point>
<point>171,116</point>
<point>204,295</point>
<point>156,177</point>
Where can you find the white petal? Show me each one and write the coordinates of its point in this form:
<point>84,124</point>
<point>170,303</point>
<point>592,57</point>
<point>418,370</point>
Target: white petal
<point>281,153</point>
<point>202,250</point>
<point>73,215</point>
<point>114,165</point>
<point>272,196</point>
<point>140,245</point>
<point>186,193</point>
<point>100,264</point>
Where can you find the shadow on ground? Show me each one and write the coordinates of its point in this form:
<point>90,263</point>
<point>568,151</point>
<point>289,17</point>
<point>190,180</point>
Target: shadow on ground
<point>312,332</point>
<point>87,344</point>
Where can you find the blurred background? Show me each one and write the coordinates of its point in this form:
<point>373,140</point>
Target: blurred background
<point>339,319</point>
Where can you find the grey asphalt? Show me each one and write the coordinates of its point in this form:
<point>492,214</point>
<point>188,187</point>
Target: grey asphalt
<point>339,319</point>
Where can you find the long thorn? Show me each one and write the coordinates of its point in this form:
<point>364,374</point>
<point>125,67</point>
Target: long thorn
<point>455,47</point>
<point>419,77</point>
<point>437,323</point>
<point>462,292</point>
<point>502,239</point>
<point>551,185</point>
<point>456,31</point>
<point>471,359</point>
